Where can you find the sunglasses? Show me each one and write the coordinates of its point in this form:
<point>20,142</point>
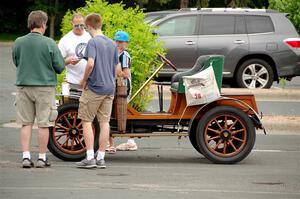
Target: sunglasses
<point>81,26</point>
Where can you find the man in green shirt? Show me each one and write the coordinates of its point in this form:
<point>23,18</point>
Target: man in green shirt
<point>38,60</point>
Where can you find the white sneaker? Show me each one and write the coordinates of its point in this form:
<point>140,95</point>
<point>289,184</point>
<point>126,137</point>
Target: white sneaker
<point>127,147</point>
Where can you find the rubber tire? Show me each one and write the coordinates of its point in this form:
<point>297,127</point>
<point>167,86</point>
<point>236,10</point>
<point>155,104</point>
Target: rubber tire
<point>251,135</point>
<point>61,154</point>
<point>192,137</point>
<point>238,77</point>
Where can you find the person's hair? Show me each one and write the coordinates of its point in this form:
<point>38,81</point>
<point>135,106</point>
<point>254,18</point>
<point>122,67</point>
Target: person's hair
<point>94,20</point>
<point>36,19</point>
<point>77,15</point>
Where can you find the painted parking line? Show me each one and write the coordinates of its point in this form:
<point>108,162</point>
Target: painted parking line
<point>274,151</point>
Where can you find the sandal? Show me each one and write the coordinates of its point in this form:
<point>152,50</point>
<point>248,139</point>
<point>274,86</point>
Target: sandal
<point>127,147</point>
<point>111,150</point>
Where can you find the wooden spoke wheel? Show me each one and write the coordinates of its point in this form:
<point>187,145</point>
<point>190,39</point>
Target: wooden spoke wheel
<point>66,139</point>
<point>225,135</point>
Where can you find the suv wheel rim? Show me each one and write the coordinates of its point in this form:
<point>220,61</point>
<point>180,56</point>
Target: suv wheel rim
<point>255,76</point>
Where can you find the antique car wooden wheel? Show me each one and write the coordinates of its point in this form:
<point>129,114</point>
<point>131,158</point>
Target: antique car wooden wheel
<point>66,137</point>
<point>225,135</point>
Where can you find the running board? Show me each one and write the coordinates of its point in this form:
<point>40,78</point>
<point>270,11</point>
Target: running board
<point>139,135</point>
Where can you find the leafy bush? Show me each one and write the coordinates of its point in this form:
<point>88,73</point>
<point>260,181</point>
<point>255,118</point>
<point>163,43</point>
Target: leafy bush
<point>142,47</point>
<point>288,6</point>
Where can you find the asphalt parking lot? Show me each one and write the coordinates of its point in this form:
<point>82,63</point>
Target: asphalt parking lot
<point>161,168</point>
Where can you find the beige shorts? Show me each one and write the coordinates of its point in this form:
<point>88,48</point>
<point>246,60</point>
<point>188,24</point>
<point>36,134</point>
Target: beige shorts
<point>36,102</point>
<point>92,105</point>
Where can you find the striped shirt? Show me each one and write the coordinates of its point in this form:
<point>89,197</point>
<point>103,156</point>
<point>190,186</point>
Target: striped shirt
<point>125,61</point>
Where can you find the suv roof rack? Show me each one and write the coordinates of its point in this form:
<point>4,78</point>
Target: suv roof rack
<point>188,9</point>
<point>236,10</point>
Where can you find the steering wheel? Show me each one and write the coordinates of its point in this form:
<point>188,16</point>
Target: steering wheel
<point>168,62</point>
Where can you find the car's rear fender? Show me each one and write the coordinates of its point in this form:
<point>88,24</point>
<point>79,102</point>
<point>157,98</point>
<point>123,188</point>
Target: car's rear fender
<point>246,103</point>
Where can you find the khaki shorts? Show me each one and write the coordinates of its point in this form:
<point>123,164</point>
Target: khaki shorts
<point>92,104</point>
<point>36,102</point>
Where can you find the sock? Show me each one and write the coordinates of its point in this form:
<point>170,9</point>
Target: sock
<point>130,141</point>
<point>42,156</point>
<point>90,154</point>
<point>100,155</point>
<point>26,154</point>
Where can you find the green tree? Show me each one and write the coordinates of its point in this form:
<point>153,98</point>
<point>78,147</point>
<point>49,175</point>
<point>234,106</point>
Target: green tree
<point>239,3</point>
<point>141,3</point>
<point>199,3</point>
<point>203,3</point>
<point>143,45</point>
<point>14,13</point>
<point>288,6</point>
<point>184,3</point>
<point>217,3</point>
<point>52,8</point>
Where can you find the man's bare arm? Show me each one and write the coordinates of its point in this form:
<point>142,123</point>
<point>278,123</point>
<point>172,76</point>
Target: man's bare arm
<point>89,68</point>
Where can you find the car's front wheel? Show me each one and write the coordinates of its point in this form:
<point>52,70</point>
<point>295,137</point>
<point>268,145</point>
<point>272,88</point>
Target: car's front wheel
<point>225,135</point>
<point>255,73</point>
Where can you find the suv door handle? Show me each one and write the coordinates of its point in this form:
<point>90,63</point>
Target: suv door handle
<point>190,43</point>
<point>239,42</point>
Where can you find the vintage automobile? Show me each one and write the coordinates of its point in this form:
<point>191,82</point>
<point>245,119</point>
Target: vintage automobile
<point>223,130</point>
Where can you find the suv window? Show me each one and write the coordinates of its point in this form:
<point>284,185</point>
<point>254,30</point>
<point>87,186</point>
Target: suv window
<point>217,24</point>
<point>259,24</point>
<point>179,26</point>
<point>240,26</point>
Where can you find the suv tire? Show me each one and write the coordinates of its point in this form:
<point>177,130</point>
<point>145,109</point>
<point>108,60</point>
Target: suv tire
<point>254,73</point>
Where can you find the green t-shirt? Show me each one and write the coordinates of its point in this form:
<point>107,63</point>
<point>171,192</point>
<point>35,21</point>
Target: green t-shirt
<point>37,59</point>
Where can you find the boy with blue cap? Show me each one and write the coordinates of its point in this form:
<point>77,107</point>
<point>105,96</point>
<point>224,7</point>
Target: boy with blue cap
<point>122,39</point>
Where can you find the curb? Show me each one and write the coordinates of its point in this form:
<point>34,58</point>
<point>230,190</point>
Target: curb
<point>287,124</point>
<point>272,94</point>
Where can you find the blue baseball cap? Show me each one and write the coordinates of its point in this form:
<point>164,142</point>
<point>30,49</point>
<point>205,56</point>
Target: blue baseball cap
<point>121,36</point>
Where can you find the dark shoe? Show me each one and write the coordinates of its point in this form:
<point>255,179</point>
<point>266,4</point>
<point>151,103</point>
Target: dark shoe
<point>42,163</point>
<point>27,163</point>
<point>101,164</point>
<point>86,164</point>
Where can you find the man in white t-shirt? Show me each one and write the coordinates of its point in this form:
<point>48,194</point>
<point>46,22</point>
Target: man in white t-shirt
<point>72,47</point>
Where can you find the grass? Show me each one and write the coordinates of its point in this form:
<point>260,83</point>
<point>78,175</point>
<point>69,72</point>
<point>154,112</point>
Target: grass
<point>8,37</point>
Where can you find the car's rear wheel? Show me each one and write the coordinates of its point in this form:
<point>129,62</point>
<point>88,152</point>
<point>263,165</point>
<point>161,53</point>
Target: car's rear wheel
<point>66,140</point>
<point>255,73</point>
